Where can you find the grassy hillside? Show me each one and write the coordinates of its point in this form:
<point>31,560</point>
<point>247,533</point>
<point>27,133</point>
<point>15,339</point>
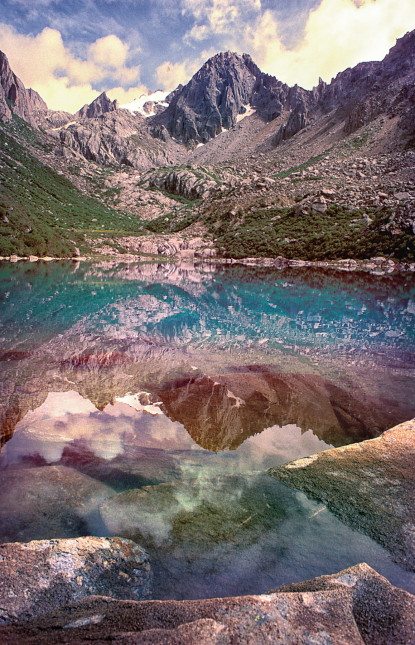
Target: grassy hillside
<point>338,233</point>
<point>41,212</point>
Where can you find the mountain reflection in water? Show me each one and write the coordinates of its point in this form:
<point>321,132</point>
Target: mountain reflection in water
<point>149,401</point>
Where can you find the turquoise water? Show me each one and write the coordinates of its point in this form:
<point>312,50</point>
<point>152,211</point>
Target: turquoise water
<point>150,400</point>
<point>229,306</point>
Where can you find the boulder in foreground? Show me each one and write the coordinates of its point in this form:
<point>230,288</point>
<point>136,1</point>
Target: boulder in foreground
<point>355,606</point>
<point>40,576</point>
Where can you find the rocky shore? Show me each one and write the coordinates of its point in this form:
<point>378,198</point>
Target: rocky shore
<point>352,607</point>
<point>43,575</point>
<point>368,485</point>
<point>96,589</point>
<point>177,255</point>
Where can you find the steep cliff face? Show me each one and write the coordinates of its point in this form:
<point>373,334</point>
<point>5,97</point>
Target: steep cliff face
<point>360,94</point>
<point>271,97</point>
<point>224,88</point>
<point>37,104</point>
<point>15,98</point>
<point>212,99</point>
<point>227,84</point>
<point>386,87</point>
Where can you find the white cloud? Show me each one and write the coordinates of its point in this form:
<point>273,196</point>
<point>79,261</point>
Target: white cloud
<point>169,75</point>
<point>338,34</point>
<point>126,96</point>
<point>215,17</point>
<point>109,51</point>
<point>65,81</point>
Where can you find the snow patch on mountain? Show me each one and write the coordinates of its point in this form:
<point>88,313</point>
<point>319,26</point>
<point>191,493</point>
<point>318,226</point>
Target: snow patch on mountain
<point>249,110</point>
<point>145,104</point>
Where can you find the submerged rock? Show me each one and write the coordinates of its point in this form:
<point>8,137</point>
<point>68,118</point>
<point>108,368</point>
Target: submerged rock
<point>200,513</point>
<point>369,485</point>
<point>41,576</point>
<point>53,502</point>
<point>355,606</point>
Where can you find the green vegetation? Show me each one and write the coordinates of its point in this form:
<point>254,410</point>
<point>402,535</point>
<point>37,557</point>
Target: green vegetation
<point>177,198</point>
<point>357,141</point>
<point>300,167</point>
<point>212,175</point>
<point>173,222</point>
<point>338,233</point>
<point>41,212</point>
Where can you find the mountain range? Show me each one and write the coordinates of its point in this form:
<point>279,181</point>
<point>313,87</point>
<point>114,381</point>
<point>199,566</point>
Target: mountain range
<point>235,163</point>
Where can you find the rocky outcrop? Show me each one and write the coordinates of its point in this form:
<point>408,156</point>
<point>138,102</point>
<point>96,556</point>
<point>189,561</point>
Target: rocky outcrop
<point>369,485</point>
<point>187,182</point>
<point>383,613</point>
<point>53,573</point>
<point>270,97</point>
<point>353,607</point>
<point>357,96</point>
<point>15,98</point>
<point>359,91</point>
<point>297,120</point>
<point>99,106</point>
<point>54,119</point>
<point>117,137</point>
<point>37,104</point>
<point>177,246</point>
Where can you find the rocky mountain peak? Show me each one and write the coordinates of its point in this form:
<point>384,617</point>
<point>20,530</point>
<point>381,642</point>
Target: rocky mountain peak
<point>404,46</point>
<point>15,98</point>
<point>229,59</point>
<point>99,106</point>
<point>36,100</point>
<point>212,99</point>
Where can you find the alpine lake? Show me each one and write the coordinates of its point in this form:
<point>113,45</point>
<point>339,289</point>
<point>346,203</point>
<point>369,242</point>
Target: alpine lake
<point>149,401</point>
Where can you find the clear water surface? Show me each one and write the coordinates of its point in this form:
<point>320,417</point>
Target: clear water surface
<point>148,401</point>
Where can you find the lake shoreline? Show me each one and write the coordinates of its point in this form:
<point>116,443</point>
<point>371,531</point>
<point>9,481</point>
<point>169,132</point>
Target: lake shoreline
<point>378,265</point>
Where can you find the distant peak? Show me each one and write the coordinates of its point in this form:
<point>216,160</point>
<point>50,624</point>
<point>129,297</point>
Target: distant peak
<point>148,104</point>
<point>228,56</point>
<point>99,106</point>
<point>102,97</point>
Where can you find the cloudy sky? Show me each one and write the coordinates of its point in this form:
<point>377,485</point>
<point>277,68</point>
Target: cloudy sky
<point>70,50</point>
